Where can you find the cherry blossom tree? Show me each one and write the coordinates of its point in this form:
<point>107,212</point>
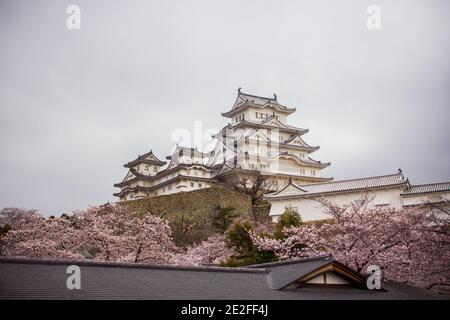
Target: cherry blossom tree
<point>103,233</point>
<point>212,251</point>
<point>410,245</point>
<point>31,235</point>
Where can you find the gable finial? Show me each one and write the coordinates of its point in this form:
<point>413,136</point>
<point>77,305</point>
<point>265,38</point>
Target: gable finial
<point>400,172</point>
<point>290,180</point>
<point>275,96</point>
<point>239,90</point>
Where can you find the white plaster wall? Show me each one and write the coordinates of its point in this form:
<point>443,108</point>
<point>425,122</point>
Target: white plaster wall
<point>250,114</point>
<point>150,172</point>
<point>332,278</point>
<point>309,209</point>
<point>421,199</point>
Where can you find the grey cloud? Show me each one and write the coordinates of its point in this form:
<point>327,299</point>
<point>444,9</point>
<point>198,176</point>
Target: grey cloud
<point>76,105</point>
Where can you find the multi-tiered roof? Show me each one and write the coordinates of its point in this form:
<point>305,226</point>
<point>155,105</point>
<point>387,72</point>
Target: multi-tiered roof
<point>147,158</point>
<point>269,127</point>
<point>245,100</point>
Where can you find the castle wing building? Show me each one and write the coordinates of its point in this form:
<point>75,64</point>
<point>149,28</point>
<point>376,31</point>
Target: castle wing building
<point>392,190</point>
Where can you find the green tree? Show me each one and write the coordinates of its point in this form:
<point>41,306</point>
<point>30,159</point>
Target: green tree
<point>223,218</point>
<point>238,239</point>
<point>289,218</point>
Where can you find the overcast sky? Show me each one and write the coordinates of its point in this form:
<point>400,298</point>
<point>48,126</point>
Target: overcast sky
<point>76,105</point>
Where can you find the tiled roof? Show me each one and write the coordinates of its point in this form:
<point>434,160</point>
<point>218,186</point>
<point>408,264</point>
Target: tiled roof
<point>303,143</point>
<point>244,99</point>
<point>46,279</point>
<point>348,185</point>
<point>256,99</point>
<point>427,188</point>
<point>142,159</point>
<point>288,128</point>
<point>187,151</point>
<point>140,176</point>
<point>307,160</point>
<point>178,177</point>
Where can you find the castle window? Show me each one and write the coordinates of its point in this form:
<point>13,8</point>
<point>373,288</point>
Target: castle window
<point>199,185</point>
<point>155,169</point>
<point>137,169</point>
<point>257,115</point>
<point>192,184</point>
<point>146,168</point>
<point>313,172</point>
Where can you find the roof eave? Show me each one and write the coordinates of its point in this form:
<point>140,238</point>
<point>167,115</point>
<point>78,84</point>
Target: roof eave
<point>232,112</point>
<point>318,194</point>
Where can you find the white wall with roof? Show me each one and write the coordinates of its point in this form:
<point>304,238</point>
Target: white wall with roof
<point>310,209</point>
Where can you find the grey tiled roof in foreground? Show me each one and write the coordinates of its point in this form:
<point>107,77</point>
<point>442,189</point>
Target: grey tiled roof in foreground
<point>22,278</point>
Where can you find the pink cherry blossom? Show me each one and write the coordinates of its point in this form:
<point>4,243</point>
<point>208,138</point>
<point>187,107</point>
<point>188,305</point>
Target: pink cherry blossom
<point>411,245</point>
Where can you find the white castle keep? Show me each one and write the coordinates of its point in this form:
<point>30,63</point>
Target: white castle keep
<point>258,140</point>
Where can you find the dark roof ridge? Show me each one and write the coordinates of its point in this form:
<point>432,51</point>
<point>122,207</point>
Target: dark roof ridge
<point>292,261</point>
<point>354,179</point>
<point>112,264</point>
<point>428,184</point>
<point>264,125</point>
<point>141,158</point>
<point>255,96</point>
